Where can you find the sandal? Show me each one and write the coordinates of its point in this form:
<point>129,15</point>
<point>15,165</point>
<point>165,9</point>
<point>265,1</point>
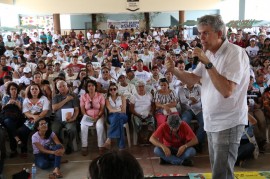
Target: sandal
<point>19,143</point>
<point>58,175</point>
<point>107,144</point>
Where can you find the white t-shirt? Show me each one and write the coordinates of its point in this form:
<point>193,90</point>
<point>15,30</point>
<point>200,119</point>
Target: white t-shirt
<point>252,51</point>
<point>127,91</point>
<point>105,84</point>
<point>147,59</point>
<point>42,105</point>
<point>143,76</point>
<point>221,113</point>
<point>142,104</point>
<point>25,80</point>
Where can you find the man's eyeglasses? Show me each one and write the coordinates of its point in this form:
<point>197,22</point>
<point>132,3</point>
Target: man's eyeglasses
<point>113,89</point>
<point>105,72</point>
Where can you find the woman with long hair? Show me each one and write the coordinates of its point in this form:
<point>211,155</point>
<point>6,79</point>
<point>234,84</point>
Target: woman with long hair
<point>90,71</point>
<point>165,100</point>
<point>47,149</point>
<point>79,78</point>
<point>116,105</point>
<point>45,88</point>
<point>12,115</point>
<point>35,107</point>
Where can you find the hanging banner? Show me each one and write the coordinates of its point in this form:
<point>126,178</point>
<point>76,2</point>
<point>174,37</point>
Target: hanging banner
<point>123,24</point>
<point>133,5</point>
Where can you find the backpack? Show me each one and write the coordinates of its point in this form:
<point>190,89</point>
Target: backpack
<point>11,111</point>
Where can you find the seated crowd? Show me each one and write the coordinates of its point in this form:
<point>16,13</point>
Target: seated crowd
<point>113,79</point>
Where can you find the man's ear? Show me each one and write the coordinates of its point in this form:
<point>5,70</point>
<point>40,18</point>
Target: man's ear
<point>220,34</point>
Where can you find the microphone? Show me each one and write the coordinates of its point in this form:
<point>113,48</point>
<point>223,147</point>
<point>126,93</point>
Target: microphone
<point>195,60</point>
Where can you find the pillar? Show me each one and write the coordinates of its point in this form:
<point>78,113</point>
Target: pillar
<point>181,17</point>
<point>242,8</point>
<point>56,23</point>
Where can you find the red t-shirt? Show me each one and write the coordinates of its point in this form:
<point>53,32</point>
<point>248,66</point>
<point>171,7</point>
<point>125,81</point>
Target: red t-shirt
<point>185,134</point>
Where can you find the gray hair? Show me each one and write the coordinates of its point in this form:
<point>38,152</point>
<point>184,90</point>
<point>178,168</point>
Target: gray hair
<point>215,21</point>
<point>61,82</point>
<point>174,121</point>
<point>140,83</point>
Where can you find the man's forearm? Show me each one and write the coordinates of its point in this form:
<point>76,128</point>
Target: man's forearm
<point>59,105</point>
<point>186,77</point>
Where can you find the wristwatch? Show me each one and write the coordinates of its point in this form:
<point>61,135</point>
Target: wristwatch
<point>209,65</point>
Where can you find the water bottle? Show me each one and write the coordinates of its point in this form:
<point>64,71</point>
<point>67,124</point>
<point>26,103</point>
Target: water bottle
<point>34,171</point>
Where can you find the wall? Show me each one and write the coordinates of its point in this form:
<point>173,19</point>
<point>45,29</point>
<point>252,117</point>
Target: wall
<point>110,6</point>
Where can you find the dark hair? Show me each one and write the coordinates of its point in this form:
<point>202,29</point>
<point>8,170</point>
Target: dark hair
<point>29,95</point>
<point>78,75</point>
<point>179,62</point>
<point>116,164</point>
<point>8,77</point>
<point>93,82</point>
<point>108,92</point>
<point>161,80</point>
<point>14,85</point>
<point>48,132</point>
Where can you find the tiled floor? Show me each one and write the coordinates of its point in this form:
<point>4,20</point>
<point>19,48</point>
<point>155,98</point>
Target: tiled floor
<point>77,167</point>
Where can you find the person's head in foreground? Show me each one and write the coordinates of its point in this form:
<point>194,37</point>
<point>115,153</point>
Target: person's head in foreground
<point>174,122</point>
<point>115,164</point>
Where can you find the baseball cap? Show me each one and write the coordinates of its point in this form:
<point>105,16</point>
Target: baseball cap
<point>26,70</point>
<point>56,62</point>
<point>252,39</point>
<point>174,121</point>
<point>50,55</point>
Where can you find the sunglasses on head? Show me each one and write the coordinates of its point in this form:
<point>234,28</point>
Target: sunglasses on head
<point>113,89</point>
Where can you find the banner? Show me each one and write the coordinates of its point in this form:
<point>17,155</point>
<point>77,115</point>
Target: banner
<point>123,24</point>
<point>238,175</point>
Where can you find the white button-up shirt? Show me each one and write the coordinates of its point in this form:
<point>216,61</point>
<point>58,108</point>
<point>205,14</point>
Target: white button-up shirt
<point>221,113</point>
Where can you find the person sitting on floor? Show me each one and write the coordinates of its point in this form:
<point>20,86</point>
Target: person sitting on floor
<point>47,149</point>
<point>174,141</point>
<point>246,148</point>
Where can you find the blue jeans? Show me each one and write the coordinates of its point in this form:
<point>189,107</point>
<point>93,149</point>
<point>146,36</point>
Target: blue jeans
<point>12,127</point>
<point>116,129</point>
<point>173,159</point>
<point>45,161</point>
<point>245,151</point>
<point>188,115</point>
<point>23,133</point>
<point>223,149</point>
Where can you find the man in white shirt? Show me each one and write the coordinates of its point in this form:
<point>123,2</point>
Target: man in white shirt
<point>224,74</point>
<point>141,74</point>
<point>9,45</point>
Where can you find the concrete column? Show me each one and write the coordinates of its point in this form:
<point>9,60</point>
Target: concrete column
<point>56,23</point>
<point>242,9</point>
<point>181,17</point>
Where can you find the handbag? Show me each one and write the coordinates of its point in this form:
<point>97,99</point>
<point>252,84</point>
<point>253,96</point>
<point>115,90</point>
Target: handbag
<point>252,140</point>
